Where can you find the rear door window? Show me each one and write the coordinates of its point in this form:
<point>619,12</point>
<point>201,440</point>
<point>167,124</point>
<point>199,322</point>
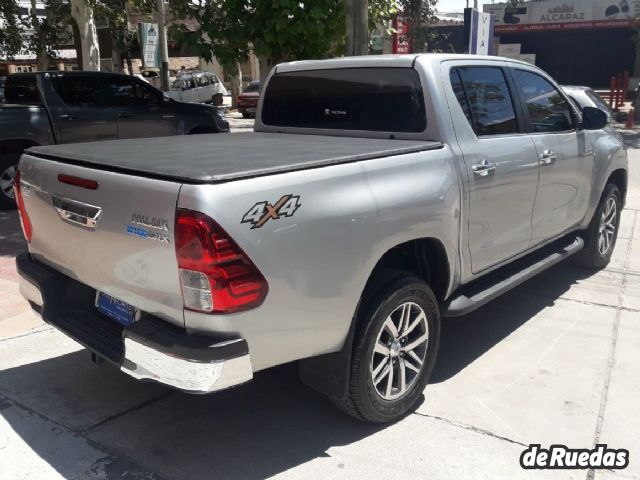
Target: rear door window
<point>485,92</point>
<point>80,90</point>
<point>373,99</point>
<point>22,90</point>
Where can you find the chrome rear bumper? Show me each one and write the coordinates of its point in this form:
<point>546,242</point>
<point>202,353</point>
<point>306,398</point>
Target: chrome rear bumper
<point>149,349</point>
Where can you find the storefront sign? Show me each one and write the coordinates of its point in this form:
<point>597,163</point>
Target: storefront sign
<point>480,31</point>
<point>401,40</point>
<point>564,15</point>
<point>150,44</point>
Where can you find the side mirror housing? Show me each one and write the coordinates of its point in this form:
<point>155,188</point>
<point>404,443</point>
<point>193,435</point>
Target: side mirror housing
<point>593,118</point>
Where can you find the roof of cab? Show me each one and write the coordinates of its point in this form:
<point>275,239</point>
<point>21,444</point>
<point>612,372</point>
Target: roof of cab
<point>392,60</point>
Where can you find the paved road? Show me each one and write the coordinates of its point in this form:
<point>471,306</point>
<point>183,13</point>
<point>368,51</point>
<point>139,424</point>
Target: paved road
<point>554,361</point>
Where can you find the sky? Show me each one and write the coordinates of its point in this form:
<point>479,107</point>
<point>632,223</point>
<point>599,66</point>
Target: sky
<point>446,6</point>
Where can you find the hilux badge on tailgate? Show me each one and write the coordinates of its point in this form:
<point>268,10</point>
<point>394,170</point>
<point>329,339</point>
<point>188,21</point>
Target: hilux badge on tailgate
<point>262,212</point>
<point>149,222</point>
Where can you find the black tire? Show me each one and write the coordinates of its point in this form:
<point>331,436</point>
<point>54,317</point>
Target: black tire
<point>8,159</point>
<point>591,255</point>
<point>363,400</point>
<point>217,100</point>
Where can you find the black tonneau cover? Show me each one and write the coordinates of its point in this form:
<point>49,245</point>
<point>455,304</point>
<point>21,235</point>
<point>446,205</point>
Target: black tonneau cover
<point>230,156</point>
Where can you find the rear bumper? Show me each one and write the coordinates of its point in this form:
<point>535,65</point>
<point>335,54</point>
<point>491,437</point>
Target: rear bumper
<point>149,349</point>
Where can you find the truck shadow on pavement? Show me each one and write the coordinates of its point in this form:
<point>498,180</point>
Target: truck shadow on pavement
<point>11,239</point>
<point>261,429</point>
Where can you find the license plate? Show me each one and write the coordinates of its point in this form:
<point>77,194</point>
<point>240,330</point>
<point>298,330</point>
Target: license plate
<point>116,309</point>
<point>251,110</point>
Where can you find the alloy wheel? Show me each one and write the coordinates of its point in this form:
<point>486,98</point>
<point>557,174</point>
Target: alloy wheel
<point>6,181</point>
<point>400,351</point>
<point>607,229</point>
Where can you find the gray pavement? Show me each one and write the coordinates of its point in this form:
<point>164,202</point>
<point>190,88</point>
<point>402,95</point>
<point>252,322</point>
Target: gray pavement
<point>554,361</point>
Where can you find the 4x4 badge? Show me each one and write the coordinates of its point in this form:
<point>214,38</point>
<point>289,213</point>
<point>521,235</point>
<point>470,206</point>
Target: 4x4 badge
<point>262,212</point>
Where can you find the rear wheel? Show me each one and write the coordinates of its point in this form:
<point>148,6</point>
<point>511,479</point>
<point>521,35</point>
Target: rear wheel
<point>8,167</point>
<point>394,352</point>
<point>217,99</point>
<point>600,237</point>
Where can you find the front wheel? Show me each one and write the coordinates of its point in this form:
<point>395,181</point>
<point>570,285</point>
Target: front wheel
<point>600,237</point>
<point>394,352</point>
<point>8,167</point>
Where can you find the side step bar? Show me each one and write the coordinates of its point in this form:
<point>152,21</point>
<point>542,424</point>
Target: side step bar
<point>484,290</point>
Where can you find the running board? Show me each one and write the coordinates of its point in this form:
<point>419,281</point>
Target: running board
<point>484,290</point>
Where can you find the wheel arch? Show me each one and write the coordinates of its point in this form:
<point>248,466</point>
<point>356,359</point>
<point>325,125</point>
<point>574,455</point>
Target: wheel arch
<point>425,258</point>
<point>619,177</point>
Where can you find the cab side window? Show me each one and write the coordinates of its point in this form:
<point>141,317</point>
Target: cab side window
<point>548,110</point>
<point>483,94</point>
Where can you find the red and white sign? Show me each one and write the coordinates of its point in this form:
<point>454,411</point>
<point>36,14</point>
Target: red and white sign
<point>564,15</point>
<point>401,40</point>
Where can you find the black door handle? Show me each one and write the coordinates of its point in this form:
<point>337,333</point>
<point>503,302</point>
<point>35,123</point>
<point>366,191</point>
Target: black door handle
<point>125,115</point>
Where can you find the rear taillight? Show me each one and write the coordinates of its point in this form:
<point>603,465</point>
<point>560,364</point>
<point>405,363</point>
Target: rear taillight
<point>24,218</point>
<point>215,274</point>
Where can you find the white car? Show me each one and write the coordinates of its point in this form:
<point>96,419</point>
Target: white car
<point>202,87</point>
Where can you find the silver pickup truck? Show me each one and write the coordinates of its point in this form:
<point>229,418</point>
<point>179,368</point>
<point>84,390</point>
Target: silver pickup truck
<point>376,196</point>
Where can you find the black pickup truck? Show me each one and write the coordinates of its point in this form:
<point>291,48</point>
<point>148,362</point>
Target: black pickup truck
<point>71,107</point>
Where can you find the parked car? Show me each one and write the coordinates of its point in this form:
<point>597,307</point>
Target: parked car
<point>587,97</point>
<point>201,87</point>
<point>2,82</point>
<point>70,107</point>
<point>376,195</point>
<point>248,100</point>
<point>152,77</point>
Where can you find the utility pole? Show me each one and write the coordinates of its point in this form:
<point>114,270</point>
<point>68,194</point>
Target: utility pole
<point>357,17</point>
<point>162,39</point>
<point>475,4</point>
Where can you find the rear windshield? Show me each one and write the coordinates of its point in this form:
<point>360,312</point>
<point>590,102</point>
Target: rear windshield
<point>22,90</point>
<point>375,99</point>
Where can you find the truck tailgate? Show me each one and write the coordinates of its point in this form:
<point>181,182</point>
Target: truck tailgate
<point>116,237</point>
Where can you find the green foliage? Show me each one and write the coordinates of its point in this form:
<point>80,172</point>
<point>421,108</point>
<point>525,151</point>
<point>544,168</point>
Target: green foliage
<point>10,34</point>
<point>117,13</point>
<point>26,32</point>
<point>381,12</point>
<point>421,14</point>
<point>275,29</point>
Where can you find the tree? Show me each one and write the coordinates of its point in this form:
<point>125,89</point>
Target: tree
<point>421,14</point>
<point>32,32</point>
<point>275,30</point>
<point>11,32</point>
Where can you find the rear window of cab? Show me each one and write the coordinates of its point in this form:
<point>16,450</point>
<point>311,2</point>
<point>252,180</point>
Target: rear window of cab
<point>373,99</point>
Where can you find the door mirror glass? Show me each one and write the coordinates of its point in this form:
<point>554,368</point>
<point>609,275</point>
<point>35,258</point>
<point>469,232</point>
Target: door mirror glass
<point>593,118</point>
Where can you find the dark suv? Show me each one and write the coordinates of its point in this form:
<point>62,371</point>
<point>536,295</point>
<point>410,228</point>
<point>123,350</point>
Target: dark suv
<point>69,107</point>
